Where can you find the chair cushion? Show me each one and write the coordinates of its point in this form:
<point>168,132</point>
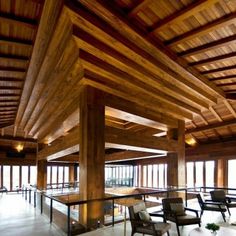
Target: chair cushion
<point>144,215</point>
<point>186,220</point>
<point>178,208</point>
<point>160,229</point>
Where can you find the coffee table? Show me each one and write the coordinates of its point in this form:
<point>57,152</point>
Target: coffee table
<point>223,231</point>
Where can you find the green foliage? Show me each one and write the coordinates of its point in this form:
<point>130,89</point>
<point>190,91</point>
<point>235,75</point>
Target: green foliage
<point>212,226</point>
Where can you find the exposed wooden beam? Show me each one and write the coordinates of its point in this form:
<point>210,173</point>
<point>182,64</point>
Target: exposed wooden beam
<point>16,42</point>
<point>12,74</point>
<point>50,13</point>
<point>230,107</point>
<point>226,84</point>
<point>10,68</point>
<point>152,46</point>
<point>20,139</point>
<point>212,126</point>
<point>139,7</point>
<point>17,58</point>
<point>209,46</point>
<point>223,78</point>
<point>202,30</point>
<point>223,69</point>
<point>9,88</point>
<point>18,21</point>
<point>212,60</point>
<point>182,14</point>
<point>70,143</point>
<point>101,54</point>
<point>215,114</point>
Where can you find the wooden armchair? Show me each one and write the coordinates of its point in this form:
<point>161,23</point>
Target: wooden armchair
<point>175,211</point>
<point>211,206</point>
<point>220,196</point>
<point>141,222</point>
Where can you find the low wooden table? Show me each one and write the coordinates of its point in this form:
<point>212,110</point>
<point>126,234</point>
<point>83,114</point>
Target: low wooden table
<point>223,231</point>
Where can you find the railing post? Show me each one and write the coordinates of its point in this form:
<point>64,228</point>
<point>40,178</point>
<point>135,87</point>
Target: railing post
<point>68,221</point>
<point>51,209</point>
<point>25,193</point>
<point>113,212</point>
<point>41,203</point>
<point>186,197</point>
<point>144,198</point>
<point>35,199</point>
<point>29,196</point>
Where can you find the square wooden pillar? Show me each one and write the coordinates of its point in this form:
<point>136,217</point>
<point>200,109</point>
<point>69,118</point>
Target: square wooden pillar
<point>221,176</point>
<point>92,156</point>
<point>71,174</point>
<point>176,161</point>
<point>41,174</point>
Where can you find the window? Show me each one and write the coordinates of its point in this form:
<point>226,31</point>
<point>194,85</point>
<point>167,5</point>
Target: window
<point>54,174</point>
<point>15,177</point>
<point>49,175</point>
<point>149,184</point>
<point>60,174</point>
<point>33,175</point>
<point>232,175</point>
<point>6,177</point>
<point>25,171</point>
<point>161,176</point>
<point>66,174</point>
<point>190,174</point>
<point>155,176</point>
<point>199,174</point>
<point>210,170</point>
<point>144,184</point>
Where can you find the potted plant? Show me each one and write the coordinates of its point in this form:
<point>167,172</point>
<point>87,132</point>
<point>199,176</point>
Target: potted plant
<point>213,227</point>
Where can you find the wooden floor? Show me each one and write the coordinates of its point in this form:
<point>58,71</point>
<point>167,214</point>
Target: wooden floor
<point>19,218</point>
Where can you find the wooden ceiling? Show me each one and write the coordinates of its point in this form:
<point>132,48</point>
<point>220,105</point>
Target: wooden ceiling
<point>156,62</point>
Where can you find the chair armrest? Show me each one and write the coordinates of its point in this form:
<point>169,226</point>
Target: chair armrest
<point>193,210</point>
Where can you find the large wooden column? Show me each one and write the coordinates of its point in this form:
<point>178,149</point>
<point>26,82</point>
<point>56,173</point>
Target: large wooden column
<point>176,161</point>
<point>71,174</point>
<point>221,175</point>
<point>92,155</point>
<point>41,174</point>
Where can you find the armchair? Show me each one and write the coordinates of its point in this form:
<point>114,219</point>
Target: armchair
<point>175,211</point>
<point>211,206</point>
<point>141,222</point>
<point>220,196</point>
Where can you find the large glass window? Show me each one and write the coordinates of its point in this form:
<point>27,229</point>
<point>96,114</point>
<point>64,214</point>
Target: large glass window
<point>15,177</point>
<point>49,175</point>
<point>199,173</point>
<point>54,174</point>
<point>155,176</point>
<point>232,175</point>
<point>25,171</point>
<point>60,174</point>
<point>6,177</point>
<point>190,174</point>
<point>210,173</point>
<point>66,180</point>
<point>33,175</point>
<point>144,176</point>
<point>161,176</point>
<point>149,184</point>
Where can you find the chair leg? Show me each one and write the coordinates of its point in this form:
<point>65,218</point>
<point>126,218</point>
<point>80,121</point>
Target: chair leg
<point>168,233</point>
<point>223,215</point>
<point>201,214</point>
<point>229,211</point>
<point>178,230</point>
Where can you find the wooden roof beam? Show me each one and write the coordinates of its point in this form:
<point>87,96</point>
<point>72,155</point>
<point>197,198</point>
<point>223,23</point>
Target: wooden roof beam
<point>212,60</point>
<point>18,21</point>
<point>151,45</point>
<point>223,69</point>
<point>212,126</point>
<point>16,42</point>
<point>221,78</point>
<point>202,30</point>
<point>227,84</point>
<point>9,68</point>
<point>140,5</point>
<point>182,14</point>
<point>209,46</point>
<point>70,143</point>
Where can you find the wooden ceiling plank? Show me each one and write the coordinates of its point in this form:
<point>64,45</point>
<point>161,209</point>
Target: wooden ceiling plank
<point>211,126</point>
<point>213,60</point>
<point>20,139</point>
<point>202,30</point>
<point>227,84</point>
<point>230,107</point>
<point>2,79</point>
<point>12,74</point>
<point>168,83</point>
<point>49,17</point>
<point>9,88</point>
<point>18,21</point>
<point>12,57</point>
<point>215,114</point>
<point>140,39</point>
<point>182,14</point>
<point>12,69</point>
<point>209,46</point>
